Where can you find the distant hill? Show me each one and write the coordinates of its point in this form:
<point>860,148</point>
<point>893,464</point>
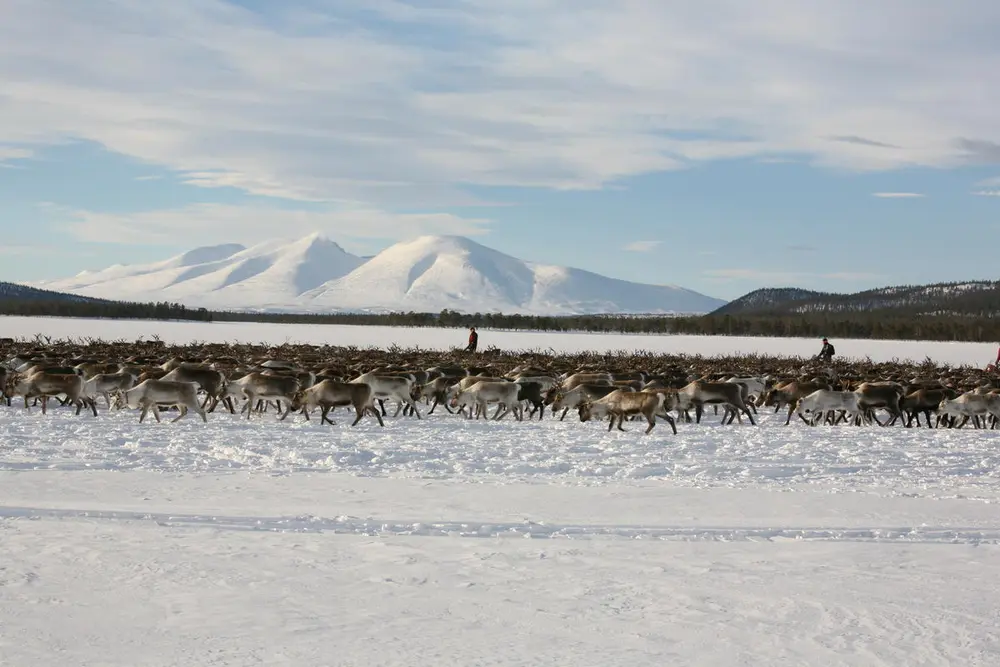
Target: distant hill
<point>16,292</point>
<point>767,298</point>
<point>979,298</point>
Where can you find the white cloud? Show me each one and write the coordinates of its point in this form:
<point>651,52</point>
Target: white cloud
<point>309,104</point>
<point>204,224</point>
<point>897,195</point>
<point>13,153</point>
<point>987,193</point>
<point>642,246</point>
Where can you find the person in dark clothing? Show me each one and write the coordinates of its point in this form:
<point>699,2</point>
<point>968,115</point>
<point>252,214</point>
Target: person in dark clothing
<point>827,352</point>
<point>473,340</point>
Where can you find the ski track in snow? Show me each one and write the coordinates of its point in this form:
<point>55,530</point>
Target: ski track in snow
<point>443,541</point>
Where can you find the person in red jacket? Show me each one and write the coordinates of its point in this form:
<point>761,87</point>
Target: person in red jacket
<point>473,340</point>
<point>995,366</point>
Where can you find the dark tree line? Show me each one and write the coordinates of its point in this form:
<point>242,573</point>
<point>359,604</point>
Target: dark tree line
<point>875,324</point>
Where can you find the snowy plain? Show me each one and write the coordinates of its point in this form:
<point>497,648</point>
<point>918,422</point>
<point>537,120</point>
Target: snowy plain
<point>446,542</point>
<point>433,338</point>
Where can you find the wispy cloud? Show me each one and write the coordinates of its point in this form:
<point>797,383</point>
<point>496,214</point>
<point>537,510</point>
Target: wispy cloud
<point>642,246</point>
<point>512,94</point>
<point>861,141</point>
<point>897,195</point>
<point>12,153</point>
<point>987,193</point>
<point>150,177</point>
<point>224,223</point>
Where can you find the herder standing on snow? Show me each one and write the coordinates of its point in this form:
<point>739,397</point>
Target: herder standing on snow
<point>827,352</point>
<point>473,340</point>
<point>995,366</point>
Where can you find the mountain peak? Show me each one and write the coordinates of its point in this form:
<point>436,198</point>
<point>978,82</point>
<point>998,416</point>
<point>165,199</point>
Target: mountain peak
<point>209,253</point>
<point>423,274</point>
<point>317,240</point>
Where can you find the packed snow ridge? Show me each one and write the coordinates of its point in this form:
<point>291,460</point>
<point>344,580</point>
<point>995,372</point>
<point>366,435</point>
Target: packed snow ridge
<point>427,274</point>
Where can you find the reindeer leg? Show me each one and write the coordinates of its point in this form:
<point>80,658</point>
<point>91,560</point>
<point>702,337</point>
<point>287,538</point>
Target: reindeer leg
<point>651,418</point>
<point>183,410</point>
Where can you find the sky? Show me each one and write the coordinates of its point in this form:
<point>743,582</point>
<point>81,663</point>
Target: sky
<point>720,145</point>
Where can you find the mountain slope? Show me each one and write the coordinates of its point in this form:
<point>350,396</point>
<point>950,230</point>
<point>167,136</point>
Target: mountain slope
<point>767,298</point>
<point>225,276</point>
<point>17,292</point>
<point>427,274</point>
<point>431,273</point>
<point>978,297</point>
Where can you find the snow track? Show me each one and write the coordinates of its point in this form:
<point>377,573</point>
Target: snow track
<point>376,527</point>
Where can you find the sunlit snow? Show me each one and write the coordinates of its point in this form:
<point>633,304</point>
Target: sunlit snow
<point>442,541</point>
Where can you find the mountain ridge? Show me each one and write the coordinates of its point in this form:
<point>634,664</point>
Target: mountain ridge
<point>968,297</point>
<point>425,274</point>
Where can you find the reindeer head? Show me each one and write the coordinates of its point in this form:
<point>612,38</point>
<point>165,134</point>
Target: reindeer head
<point>298,400</point>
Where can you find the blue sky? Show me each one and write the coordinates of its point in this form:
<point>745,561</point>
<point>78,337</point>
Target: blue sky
<point>719,145</point>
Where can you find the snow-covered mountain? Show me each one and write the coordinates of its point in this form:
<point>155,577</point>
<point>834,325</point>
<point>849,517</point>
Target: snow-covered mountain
<point>229,276</point>
<point>427,274</point>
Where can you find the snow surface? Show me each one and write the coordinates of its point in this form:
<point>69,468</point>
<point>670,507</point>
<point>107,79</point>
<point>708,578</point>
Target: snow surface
<point>427,274</point>
<point>432,338</point>
<point>447,542</point>
<point>443,542</point>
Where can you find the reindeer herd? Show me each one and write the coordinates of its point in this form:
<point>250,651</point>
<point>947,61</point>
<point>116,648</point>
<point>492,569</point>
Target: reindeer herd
<point>249,381</point>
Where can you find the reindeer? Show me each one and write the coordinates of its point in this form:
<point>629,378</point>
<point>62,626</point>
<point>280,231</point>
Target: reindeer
<point>700,392</point>
<point>208,380</point>
<point>567,400</point>
<point>924,401</point>
<point>387,386</point>
<point>826,402</point>
<point>273,387</point>
<point>436,390</point>
<point>790,393</point>
<point>329,394</point>
<point>103,384</point>
<point>46,385</point>
<point>151,394</point>
<point>885,395</point>
<point>973,406</point>
<point>498,391</point>
<point>620,403</point>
